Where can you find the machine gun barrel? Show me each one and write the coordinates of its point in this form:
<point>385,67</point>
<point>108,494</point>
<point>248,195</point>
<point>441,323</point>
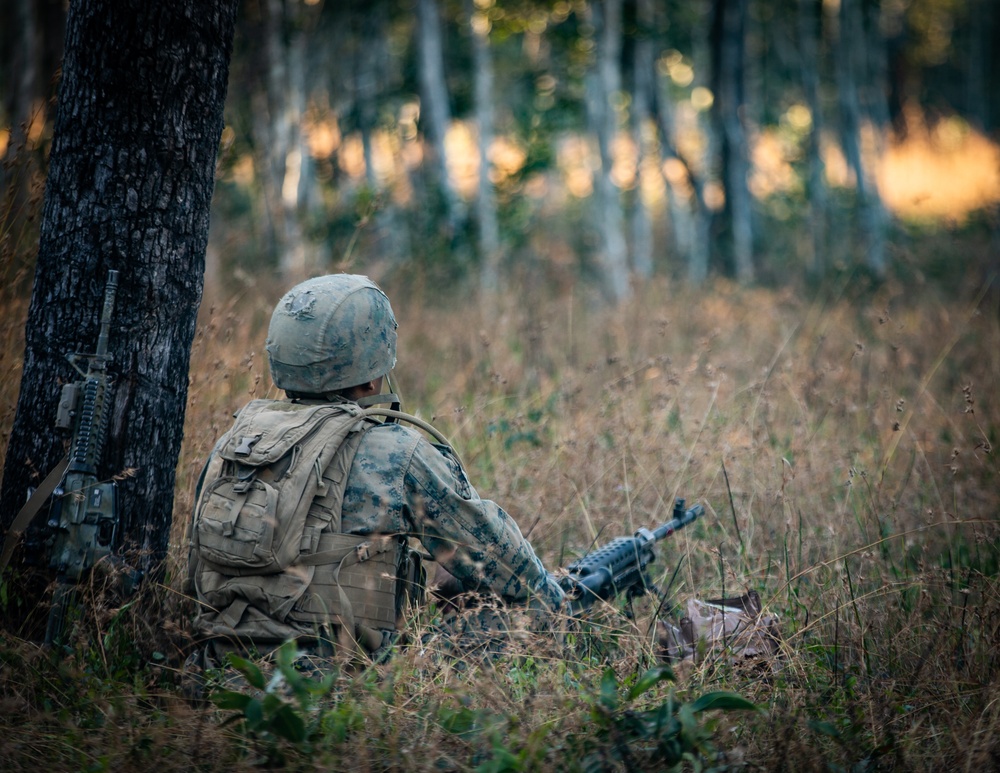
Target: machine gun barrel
<point>620,566</point>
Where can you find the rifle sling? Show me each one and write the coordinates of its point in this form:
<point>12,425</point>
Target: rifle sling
<point>27,513</point>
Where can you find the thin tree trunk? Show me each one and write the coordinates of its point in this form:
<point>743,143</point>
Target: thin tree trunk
<point>486,207</point>
<point>435,113</point>
<point>730,31</point>
<point>690,226</point>
<point>643,73</point>
<point>603,88</point>
<point>850,69</point>
<point>809,18</point>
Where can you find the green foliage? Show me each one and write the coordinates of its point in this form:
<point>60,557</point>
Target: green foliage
<point>668,734</point>
<point>267,716</point>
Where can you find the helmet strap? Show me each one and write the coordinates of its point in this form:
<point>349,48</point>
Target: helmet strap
<point>385,397</point>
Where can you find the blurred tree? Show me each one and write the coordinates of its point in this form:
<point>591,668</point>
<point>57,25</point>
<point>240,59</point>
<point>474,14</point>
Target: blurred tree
<point>728,42</point>
<point>486,209</point>
<point>435,108</point>
<point>131,176</point>
<point>809,19</point>
<point>283,30</point>
<point>604,99</point>
<point>643,75</point>
<point>31,39</point>
<point>861,97</point>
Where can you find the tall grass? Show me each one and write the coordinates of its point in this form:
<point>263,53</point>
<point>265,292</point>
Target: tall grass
<point>844,448</point>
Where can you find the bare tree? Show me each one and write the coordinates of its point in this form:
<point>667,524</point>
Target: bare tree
<point>643,75</point>
<point>278,112</point>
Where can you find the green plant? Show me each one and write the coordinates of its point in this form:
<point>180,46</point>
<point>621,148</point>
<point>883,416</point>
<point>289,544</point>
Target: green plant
<point>668,734</point>
<point>269,719</point>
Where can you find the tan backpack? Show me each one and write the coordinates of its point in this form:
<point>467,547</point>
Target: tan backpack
<point>269,561</point>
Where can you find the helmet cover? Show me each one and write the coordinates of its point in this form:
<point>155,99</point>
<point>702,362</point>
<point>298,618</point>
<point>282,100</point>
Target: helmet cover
<point>330,333</point>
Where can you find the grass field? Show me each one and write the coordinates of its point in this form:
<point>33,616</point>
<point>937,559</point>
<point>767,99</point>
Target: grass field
<point>844,448</point>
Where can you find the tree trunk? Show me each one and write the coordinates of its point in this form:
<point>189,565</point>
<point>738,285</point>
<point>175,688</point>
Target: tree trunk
<point>809,18</point>
<point>435,113</point>
<point>690,225</point>
<point>486,207</point>
<point>603,89</point>
<point>852,41</point>
<point>277,130</point>
<point>729,43</point>
<point>643,69</point>
<point>131,178</point>
<point>31,64</point>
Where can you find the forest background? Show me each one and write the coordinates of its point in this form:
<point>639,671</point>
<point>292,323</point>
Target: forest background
<point>739,251</point>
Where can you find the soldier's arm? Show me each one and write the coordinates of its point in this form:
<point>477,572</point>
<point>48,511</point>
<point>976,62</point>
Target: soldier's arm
<point>473,538</point>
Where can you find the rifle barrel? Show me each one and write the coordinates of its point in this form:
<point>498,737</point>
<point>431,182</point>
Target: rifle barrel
<point>681,519</point>
<point>110,290</point>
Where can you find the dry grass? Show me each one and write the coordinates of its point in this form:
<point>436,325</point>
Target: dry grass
<point>845,452</point>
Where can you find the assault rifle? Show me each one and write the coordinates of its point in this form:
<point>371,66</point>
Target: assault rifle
<point>83,520</point>
<point>620,566</point>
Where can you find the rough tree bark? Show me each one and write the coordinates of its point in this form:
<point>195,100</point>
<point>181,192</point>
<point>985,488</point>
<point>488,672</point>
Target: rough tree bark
<point>130,180</point>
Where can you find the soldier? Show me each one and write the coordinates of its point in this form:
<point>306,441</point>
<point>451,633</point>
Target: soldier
<point>308,506</point>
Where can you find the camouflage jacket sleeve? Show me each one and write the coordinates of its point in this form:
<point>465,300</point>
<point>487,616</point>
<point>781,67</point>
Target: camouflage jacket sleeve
<point>473,538</point>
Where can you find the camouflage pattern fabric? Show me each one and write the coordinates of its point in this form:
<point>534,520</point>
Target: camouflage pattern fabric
<point>329,333</point>
<point>400,482</point>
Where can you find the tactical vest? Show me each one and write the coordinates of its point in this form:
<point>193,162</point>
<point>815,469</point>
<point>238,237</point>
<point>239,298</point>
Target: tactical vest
<point>269,561</point>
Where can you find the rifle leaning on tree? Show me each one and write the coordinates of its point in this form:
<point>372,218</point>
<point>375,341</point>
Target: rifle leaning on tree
<point>83,518</point>
<point>620,567</point>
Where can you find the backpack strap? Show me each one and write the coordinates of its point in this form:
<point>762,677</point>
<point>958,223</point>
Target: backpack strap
<point>389,413</point>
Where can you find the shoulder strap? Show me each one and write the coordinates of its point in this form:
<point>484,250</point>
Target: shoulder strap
<point>27,513</point>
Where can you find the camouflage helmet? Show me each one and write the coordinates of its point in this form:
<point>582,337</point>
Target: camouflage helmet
<point>331,333</point>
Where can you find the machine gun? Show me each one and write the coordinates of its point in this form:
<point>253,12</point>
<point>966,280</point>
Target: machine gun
<point>620,566</point>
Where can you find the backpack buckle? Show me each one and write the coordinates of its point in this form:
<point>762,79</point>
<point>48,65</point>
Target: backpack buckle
<point>247,442</point>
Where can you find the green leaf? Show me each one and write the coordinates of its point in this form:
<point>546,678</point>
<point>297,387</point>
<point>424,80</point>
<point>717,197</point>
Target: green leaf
<point>249,670</point>
<point>824,728</point>
<point>230,700</point>
<point>609,690</point>
<point>289,725</point>
<point>724,701</point>
<point>650,679</point>
<point>460,722</point>
<point>272,704</point>
<point>254,713</point>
